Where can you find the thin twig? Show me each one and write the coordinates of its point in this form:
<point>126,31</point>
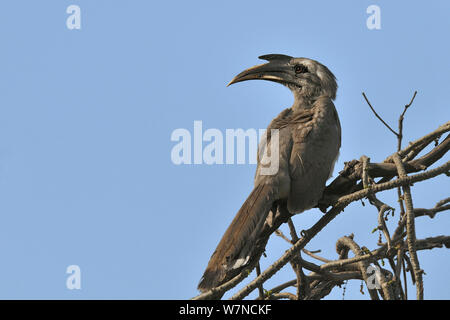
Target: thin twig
<point>400,122</point>
<point>399,147</point>
<point>260,287</point>
<point>442,202</point>
<point>379,118</point>
<point>381,207</point>
<point>315,256</point>
<point>404,277</point>
<point>398,270</point>
<point>302,285</point>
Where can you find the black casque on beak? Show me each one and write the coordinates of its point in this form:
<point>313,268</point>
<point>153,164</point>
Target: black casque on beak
<point>277,70</point>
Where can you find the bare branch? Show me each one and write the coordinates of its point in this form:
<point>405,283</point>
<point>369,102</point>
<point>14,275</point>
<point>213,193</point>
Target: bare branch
<point>379,118</point>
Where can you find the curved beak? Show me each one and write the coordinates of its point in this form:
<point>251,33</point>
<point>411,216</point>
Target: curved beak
<point>272,71</point>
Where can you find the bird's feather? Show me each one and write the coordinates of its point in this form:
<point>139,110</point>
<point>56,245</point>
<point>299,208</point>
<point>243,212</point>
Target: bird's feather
<point>235,247</point>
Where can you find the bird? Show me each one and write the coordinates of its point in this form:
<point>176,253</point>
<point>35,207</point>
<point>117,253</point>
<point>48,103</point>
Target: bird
<point>309,139</point>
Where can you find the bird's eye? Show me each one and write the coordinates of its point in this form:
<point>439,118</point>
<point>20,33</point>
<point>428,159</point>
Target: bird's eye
<point>299,68</point>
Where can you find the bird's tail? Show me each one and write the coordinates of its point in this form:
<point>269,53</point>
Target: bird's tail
<point>237,244</point>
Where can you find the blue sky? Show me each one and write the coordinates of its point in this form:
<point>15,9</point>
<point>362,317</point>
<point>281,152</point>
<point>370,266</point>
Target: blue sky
<point>86,117</point>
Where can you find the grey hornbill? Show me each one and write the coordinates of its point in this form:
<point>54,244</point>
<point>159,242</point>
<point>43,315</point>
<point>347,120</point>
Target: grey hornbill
<point>309,138</point>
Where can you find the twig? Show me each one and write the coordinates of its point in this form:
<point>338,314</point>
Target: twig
<point>379,118</point>
<point>315,256</point>
<point>346,182</point>
<point>399,147</point>
<point>280,233</point>
<point>427,139</point>
<point>260,287</point>
<point>347,243</point>
<point>442,202</point>
<point>400,122</point>
<point>302,284</point>
<point>410,228</point>
<point>283,286</point>
<point>382,224</point>
<point>418,212</point>
<point>433,242</point>
<point>398,270</point>
<point>381,207</point>
<point>282,295</point>
<point>404,277</point>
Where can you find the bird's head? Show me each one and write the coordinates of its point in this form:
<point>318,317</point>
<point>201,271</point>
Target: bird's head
<point>305,77</point>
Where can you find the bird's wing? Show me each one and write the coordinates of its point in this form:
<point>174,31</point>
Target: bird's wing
<point>280,122</point>
<point>316,142</point>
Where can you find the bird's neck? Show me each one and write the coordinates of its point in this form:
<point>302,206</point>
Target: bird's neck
<point>302,102</point>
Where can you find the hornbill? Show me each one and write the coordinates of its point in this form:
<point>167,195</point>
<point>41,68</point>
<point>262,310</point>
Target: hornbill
<point>309,138</point>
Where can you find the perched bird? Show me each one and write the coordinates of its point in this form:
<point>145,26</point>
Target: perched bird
<point>309,138</point>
